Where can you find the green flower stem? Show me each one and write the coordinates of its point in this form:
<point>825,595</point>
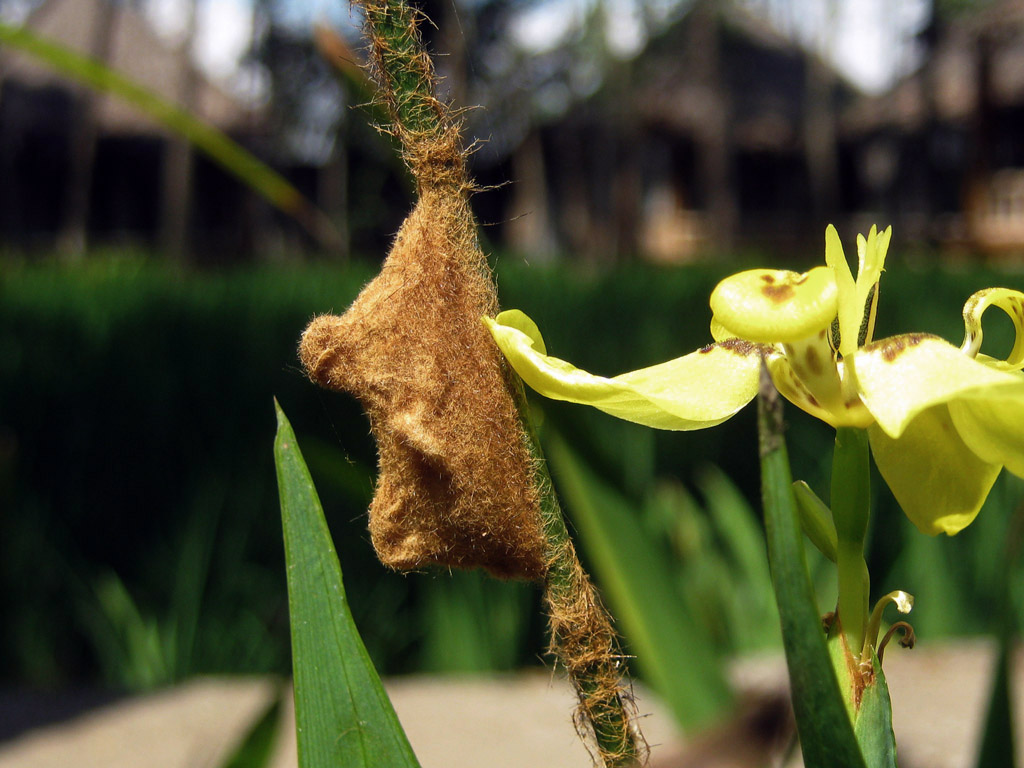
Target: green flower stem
<point>582,635</point>
<point>850,511</point>
<point>827,738</point>
<point>404,68</point>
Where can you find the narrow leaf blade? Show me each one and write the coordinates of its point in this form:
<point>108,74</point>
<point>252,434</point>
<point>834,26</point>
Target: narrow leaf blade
<point>257,746</point>
<point>874,723</point>
<point>826,733</point>
<point>998,744</point>
<point>217,145</point>
<point>343,716</point>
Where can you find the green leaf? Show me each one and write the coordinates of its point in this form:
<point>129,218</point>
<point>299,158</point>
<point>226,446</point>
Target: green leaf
<point>343,717</point>
<point>675,656</point>
<point>873,726</point>
<point>826,733</point>
<point>215,143</point>
<point>816,519</point>
<point>872,719</point>
<point>737,525</point>
<point>257,746</point>
<point>997,749</point>
<point>748,596</point>
<point>473,623</point>
<point>998,741</point>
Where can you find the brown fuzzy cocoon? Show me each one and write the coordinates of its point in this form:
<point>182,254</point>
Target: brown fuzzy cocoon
<point>456,484</point>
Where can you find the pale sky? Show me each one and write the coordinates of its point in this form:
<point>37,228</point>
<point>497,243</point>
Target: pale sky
<point>867,36</point>
<point>865,45</point>
<point>870,33</point>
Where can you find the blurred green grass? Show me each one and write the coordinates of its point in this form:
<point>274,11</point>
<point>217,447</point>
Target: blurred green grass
<point>139,531</point>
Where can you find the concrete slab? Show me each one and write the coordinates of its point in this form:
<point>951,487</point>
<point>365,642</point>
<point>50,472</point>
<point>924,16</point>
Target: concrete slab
<point>939,696</point>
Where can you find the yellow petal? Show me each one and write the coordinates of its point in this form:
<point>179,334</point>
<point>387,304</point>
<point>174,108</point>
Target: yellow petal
<point>993,427</point>
<point>774,305</point>
<point>871,257</point>
<point>848,309</point>
<point>520,321</point>
<point>836,259</point>
<point>901,376</point>
<point>699,390</point>
<point>719,332</point>
<point>1012,303</point>
<point>871,254</point>
<point>814,363</point>
<point>937,479</point>
<point>850,413</point>
<point>793,389</point>
<point>855,312</point>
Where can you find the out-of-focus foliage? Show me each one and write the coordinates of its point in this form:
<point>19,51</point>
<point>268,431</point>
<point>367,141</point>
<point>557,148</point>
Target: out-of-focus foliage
<point>139,539</point>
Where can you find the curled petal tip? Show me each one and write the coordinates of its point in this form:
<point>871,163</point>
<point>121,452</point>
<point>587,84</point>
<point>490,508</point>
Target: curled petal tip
<point>771,305</point>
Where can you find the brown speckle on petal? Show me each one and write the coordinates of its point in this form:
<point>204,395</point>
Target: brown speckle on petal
<point>778,293</point>
<point>736,346</point>
<point>894,346</point>
<point>813,361</point>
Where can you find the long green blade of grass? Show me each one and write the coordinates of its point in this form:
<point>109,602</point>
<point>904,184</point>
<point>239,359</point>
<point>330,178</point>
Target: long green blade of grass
<point>217,145</point>
<point>674,654</point>
<point>343,716</point>
<point>737,525</point>
<point>257,746</point>
<point>997,748</point>
<point>826,733</point>
<point>998,739</point>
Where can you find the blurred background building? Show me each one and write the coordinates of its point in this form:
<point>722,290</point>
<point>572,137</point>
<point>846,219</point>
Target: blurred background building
<point>942,150</point>
<point>81,166</point>
<point>643,149</point>
<point>662,130</point>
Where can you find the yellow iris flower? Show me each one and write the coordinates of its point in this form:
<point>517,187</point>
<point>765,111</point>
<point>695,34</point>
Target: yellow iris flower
<point>942,421</point>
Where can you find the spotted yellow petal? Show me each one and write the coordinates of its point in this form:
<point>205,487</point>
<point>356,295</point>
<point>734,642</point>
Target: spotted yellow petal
<point>699,390</point>
<point>774,305</point>
<point>937,479</point>
<point>813,361</point>
<point>899,377</point>
<point>993,427</point>
<point>843,413</point>
<point>792,388</point>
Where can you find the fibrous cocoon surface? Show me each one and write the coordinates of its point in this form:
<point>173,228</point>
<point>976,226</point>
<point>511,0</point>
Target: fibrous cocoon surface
<point>456,484</point>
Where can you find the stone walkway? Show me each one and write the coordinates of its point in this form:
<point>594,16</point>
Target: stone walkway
<point>523,721</point>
